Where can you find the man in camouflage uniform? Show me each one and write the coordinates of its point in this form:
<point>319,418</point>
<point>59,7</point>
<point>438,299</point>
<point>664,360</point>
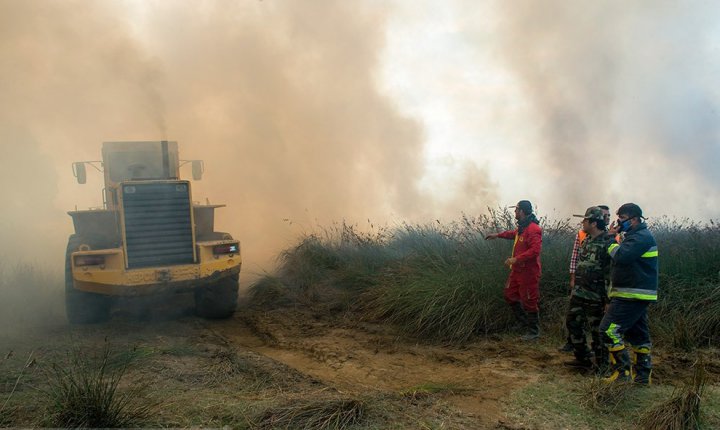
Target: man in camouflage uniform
<point>589,295</point>
<point>579,238</point>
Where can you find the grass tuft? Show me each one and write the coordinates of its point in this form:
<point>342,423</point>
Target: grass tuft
<point>601,396</point>
<point>86,392</point>
<point>228,364</point>
<point>270,291</point>
<point>314,414</point>
<point>682,410</point>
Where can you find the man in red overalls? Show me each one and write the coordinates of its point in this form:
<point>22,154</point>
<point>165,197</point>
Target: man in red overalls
<point>522,289</point>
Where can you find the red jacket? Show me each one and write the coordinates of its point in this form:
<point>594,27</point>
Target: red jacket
<point>526,248</point>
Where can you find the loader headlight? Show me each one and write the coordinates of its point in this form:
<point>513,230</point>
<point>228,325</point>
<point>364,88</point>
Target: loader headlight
<point>89,260</point>
<point>228,248</point>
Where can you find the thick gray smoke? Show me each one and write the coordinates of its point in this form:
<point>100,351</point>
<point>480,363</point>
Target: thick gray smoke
<point>623,97</point>
<point>279,99</point>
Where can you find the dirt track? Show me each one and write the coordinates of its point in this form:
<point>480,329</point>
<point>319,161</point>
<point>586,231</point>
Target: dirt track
<point>366,358</point>
<point>305,353</point>
<point>210,373</point>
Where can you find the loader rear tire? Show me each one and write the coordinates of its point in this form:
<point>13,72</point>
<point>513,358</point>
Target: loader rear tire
<point>217,300</point>
<point>82,307</point>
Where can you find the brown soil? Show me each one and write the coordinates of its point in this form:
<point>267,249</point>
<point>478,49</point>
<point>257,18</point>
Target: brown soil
<point>361,358</point>
<point>210,373</point>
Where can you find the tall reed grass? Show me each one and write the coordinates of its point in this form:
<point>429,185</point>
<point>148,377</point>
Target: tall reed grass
<point>445,281</point>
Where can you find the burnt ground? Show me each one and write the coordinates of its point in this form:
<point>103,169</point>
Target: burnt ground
<point>244,371</point>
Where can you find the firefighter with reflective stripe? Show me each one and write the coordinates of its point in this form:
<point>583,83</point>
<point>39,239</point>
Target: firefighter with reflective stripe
<point>522,289</point>
<point>634,282</point>
<point>589,295</point>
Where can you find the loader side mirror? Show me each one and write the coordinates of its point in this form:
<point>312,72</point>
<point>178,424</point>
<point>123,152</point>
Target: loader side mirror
<point>197,169</point>
<point>79,172</point>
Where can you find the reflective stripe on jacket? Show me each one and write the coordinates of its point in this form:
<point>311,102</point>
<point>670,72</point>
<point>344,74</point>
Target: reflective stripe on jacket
<point>635,266</point>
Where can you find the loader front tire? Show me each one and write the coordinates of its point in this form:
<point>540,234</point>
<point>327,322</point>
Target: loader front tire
<point>82,307</point>
<point>217,300</point>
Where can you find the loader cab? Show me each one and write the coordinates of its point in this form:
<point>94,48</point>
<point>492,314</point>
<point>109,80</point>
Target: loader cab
<point>133,161</point>
<point>137,161</point>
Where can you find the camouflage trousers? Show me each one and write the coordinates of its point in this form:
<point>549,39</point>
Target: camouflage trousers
<point>584,316</point>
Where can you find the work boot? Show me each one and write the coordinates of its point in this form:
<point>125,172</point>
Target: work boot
<point>533,325</point>
<point>642,368</point>
<point>583,357</point>
<point>619,366</point>
<point>521,319</point>
<point>568,347</point>
<point>580,363</point>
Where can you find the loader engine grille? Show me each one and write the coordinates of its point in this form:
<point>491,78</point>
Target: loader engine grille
<point>158,229</point>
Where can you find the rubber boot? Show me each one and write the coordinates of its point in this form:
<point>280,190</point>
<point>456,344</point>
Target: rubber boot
<point>642,368</point>
<point>521,320</point>
<point>533,324</point>
<point>619,366</point>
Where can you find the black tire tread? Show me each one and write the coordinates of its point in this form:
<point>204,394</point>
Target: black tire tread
<point>217,300</point>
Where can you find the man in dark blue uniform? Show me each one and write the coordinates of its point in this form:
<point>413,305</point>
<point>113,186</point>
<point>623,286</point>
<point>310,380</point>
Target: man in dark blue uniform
<point>634,277</point>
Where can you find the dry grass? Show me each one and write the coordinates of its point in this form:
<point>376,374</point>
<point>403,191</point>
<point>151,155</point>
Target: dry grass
<point>682,410</point>
<point>337,413</point>
<point>430,388</point>
<point>604,397</point>
<point>5,411</point>
<point>228,368</point>
<point>86,392</point>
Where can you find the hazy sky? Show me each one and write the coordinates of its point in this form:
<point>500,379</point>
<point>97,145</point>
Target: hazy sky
<point>311,112</point>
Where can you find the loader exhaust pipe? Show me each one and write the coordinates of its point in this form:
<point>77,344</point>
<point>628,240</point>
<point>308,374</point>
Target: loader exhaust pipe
<point>165,158</point>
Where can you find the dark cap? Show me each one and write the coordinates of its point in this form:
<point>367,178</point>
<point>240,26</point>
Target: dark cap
<point>593,213</point>
<point>525,206</point>
<point>631,210</point>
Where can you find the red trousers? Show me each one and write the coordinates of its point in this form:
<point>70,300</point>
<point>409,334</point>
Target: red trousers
<point>523,287</point>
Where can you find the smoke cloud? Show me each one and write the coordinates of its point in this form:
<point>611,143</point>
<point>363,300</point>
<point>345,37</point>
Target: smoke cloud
<point>622,99</point>
<point>590,103</point>
<point>567,104</point>
<point>279,99</point>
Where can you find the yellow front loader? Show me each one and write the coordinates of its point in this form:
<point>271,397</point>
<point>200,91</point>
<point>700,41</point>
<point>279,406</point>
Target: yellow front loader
<point>149,237</point>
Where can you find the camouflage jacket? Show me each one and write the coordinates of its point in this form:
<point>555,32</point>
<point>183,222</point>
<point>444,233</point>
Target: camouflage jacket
<point>592,275</point>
